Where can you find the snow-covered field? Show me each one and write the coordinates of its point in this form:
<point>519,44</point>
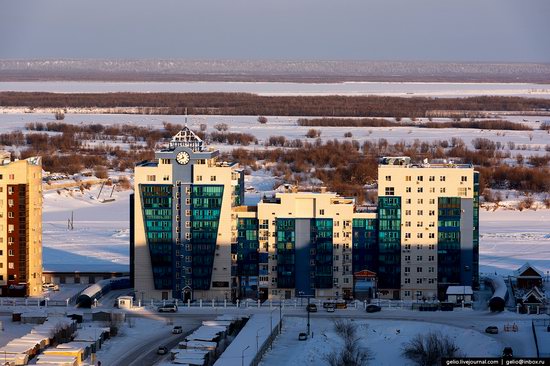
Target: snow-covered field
<point>100,238</point>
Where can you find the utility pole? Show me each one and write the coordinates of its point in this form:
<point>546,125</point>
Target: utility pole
<point>308,325</point>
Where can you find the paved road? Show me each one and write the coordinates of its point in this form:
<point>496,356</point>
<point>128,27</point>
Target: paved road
<point>145,353</point>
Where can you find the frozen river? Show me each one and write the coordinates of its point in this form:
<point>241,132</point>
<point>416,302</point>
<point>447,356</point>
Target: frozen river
<point>407,89</point>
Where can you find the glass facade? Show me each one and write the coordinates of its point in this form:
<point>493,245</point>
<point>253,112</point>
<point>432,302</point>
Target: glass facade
<point>206,203</point>
<point>157,216</point>
<point>321,252</point>
<point>448,241</point>
<point>389,242</point>
<point>365,245</point>
<point>286,253</point>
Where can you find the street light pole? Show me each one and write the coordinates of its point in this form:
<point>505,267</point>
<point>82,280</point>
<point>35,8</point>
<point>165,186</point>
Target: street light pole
<point>242,355</point>
<point>308,327</point>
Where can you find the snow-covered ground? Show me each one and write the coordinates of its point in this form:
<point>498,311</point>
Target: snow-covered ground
<point>510,238</point>
<point>384,338</point>
<point>100,238</point>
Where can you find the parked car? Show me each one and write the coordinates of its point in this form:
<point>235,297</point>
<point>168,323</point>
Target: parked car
<point>331,309</point>
<point>177,330</point>
<point>162,350</point>
<point>341,305</point>
<point>311,308</point>
<point>373,308</point>
<point>302,336</point>
<point>50,286</point>
<point>329,304</point>
<point>507,352</point>
<point>491,330</point>
<point>168,308</point>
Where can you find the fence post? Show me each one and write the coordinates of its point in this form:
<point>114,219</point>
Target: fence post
<point>238,303</point>
<point>225,303</point>
<point>259,304</point>
<point>188,303</point>
<point>200,303</point>
<point>295,303</point>
<point>151,302</point>
<point>213,303</point>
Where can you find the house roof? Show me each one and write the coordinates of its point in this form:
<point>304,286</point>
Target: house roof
<point>523,271</point>
<point>364,273</point>
<point>535,294</point>
<point>459,290</point>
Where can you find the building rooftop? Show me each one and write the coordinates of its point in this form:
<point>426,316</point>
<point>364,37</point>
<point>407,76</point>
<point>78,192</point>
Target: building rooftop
<point>405,162</point>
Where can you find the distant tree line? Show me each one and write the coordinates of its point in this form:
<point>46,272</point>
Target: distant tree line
<point>380,122</point>
<point>252,104</point>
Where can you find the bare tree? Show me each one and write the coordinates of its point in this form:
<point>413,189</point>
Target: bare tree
<point>352,354</point>
<point>428,349</point>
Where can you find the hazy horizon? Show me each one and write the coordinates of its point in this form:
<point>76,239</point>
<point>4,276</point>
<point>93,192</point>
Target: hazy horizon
<point>491,31</point>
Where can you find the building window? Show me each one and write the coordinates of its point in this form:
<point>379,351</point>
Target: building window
<point>408,178</point>
<point>431,269</point>
<point>10,252</point>
<point>10,265</point>
<point>407,269</point>
<point>199,178</point>
<point>442,190</point>
<point>431,213</point>
<point>418,294</point>
<point>419,212</point>
<point>407,257</point>
<point>442,178</point>
<point>11,176</point>
<point>431,236</point>
<point>419,281</point>
<point>407,292</point>
<point>431,281</point>
<point>419,235</point>
<point>408,189</point>
<point>407,235</point>
<point>407,212</point>
<point>407,280</point>
<point>420,201</point>
<point>432,201</point>
<point>464,178</point>
<point>420,190</point>
<point>408,201</point>
<point>166,178</point>
<point>390,191</point>
<point>151,178</point>
<point>418,269</point>
<point>388,178</point>
<point>419,224</point>
<point>407,223</point>
<point>420,178</point>
<point>462,192</point>
<point>432,178</point>
<point>431,258</point>
<point>432,189</point>
<point>213,178</point>
<point>431,246</point>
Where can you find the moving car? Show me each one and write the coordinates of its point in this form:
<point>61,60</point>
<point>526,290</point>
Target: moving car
<point>373,308</point>
<point>302,336</point>
<point>162,350</point>
<point>331,309</point>
<point>177,330</point>
<point>311,308</point>
<point>168,308</point>
<point>491,330</point>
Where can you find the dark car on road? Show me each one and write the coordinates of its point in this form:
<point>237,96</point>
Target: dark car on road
<point>162,350</point>
<point>491,330</point>
<point>302,336</point>
<point>373,308</point>
<point>168,308</point>
<point>311,308</point>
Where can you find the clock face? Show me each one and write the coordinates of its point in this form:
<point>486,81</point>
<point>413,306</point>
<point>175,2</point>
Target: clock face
<point>182,157</point>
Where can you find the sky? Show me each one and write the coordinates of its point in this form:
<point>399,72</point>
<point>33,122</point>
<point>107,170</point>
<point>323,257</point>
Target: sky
<point>400,30</point>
